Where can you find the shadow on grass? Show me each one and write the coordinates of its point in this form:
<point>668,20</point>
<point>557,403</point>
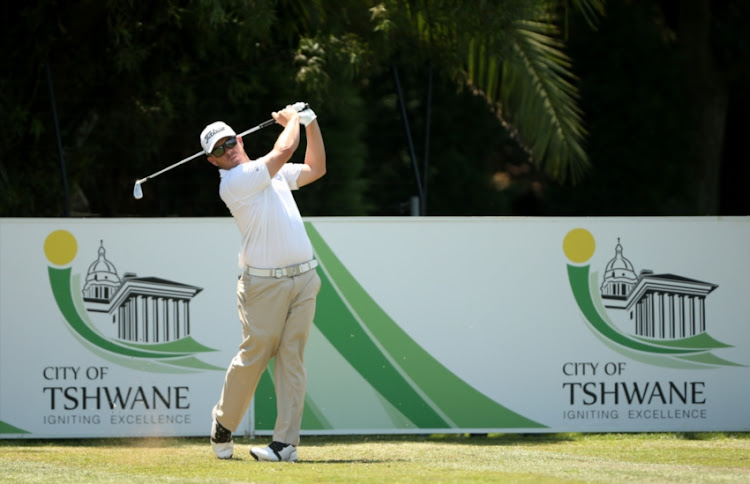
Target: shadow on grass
<point>247,458</point>
<point>145,442</point>
<point>327,440</point>
<point>465,439</point>
<point>349,461</point>
<point>701,435</point>
<point>307,440</point>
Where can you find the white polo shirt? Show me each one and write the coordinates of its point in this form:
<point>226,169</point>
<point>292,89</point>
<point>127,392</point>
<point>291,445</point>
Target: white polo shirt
<point>273,234</point>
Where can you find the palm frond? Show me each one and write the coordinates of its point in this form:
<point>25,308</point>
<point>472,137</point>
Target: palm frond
<point>590,9</point>
<point>534,93</point>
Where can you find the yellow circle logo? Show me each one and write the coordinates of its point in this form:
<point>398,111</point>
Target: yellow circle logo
<point>579,245</point>
<point>60,247</point>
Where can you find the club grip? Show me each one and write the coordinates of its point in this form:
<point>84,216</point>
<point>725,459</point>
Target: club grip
<point>300,106</point>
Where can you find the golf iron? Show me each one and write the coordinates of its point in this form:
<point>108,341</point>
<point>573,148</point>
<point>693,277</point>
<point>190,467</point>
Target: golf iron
<point>138,191</point>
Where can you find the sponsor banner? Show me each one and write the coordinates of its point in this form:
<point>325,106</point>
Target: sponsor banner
<point>114,327</point>
<point>124,327</point>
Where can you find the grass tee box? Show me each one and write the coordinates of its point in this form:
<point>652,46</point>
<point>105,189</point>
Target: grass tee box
<point>553,458</point>
<point>423,326</point>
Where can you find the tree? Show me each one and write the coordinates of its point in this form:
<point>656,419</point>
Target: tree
<point>134,82</point>
<point>653,138</point>
<point>712,37</point>
<point>511,53</point>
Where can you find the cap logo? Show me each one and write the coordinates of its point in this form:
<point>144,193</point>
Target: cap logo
<point>211,133</point>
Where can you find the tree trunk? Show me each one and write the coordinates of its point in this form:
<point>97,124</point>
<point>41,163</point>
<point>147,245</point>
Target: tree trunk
<point>709,97</point>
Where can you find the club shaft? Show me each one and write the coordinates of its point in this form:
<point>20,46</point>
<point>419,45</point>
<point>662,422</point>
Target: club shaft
<point>251,130</point>
<point>170,167</point>
<point>260,126</point>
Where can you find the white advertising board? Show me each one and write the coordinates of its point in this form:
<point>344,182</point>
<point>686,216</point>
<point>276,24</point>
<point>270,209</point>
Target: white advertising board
<point>124,327</point>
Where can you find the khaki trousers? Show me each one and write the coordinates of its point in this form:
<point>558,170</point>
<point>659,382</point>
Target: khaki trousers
<point>276,316</point>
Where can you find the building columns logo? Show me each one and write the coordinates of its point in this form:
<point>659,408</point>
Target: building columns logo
<point>662,317</point>
<point>149,317</point>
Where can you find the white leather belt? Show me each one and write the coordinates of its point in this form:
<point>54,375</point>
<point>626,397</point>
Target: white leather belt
<point>290,271</point>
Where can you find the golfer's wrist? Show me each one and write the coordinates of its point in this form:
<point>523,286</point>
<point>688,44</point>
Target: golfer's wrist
<point>307,116</point>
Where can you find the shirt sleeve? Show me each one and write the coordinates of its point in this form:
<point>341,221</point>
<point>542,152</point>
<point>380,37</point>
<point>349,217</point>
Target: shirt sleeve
<point>290,172</point>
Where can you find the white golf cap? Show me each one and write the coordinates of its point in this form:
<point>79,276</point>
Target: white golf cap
<point>213,133</point>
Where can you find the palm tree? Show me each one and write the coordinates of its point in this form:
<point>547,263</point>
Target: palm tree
<point>511,52</point>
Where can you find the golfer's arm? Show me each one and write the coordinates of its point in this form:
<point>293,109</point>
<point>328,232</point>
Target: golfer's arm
<point>315,155</point>
<point>285,146</point>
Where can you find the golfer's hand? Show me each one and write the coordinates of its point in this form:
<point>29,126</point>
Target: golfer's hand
<point>306,114</point>
<point>286,115</point>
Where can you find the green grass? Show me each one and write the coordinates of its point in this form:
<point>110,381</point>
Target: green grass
<point>663,457</point>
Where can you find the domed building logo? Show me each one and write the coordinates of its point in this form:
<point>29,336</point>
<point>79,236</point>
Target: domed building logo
<point>147,323</point>
<point>658,306</point>
<point>658,319</point>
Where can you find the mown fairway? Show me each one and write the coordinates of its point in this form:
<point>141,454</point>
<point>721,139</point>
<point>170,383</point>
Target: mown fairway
<point>706,457</point>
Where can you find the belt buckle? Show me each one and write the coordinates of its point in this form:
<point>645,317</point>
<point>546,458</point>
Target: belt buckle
<point>278,273</point>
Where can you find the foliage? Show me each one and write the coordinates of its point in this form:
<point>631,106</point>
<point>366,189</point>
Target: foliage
<point>636,105</point>
<point>510,52</point>
<point>508,101</point>
<point>135,81</point>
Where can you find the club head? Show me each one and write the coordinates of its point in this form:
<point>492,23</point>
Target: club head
<point>137,192</point>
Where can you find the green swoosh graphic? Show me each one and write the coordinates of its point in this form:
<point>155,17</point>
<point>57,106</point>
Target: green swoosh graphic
<point>406,375</point>
<point>579,283</point>
<point>265,407</point>
<point>178,365</point>
<point>177,354</point>
<point>343,331</point>
<point>6,428</point>
<point>694,349</point>
<point>183,345</point>
<point>60,283</point>
<point>702,341</point>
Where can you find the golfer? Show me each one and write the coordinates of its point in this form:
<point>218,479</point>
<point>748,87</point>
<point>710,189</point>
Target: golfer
<point>278,287</point>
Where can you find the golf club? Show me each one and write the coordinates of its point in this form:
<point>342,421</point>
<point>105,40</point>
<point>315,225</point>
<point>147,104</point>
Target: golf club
<point>138,192</point>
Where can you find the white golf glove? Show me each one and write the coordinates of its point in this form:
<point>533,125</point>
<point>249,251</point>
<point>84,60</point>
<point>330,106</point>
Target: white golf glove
<point>306,115</point>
